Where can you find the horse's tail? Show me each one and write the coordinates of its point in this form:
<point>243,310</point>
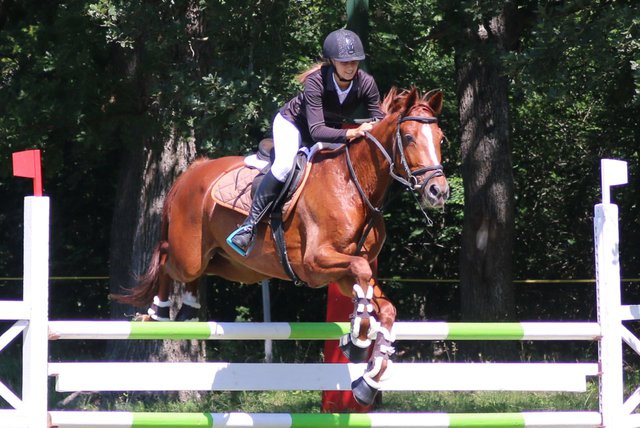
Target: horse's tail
<point>148,283</point>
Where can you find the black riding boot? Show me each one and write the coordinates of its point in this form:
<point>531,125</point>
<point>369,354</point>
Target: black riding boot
<point>241,239</point>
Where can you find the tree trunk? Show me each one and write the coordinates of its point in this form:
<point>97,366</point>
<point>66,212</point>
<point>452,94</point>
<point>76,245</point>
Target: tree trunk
<point>146,176</point>
<point>486,277</point>
<point>149,166</point>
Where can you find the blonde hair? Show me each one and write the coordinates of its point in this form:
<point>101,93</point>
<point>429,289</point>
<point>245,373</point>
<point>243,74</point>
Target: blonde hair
<point>315,67</point>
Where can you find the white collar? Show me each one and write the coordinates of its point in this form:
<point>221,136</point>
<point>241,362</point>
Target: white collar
<point>342,93</point>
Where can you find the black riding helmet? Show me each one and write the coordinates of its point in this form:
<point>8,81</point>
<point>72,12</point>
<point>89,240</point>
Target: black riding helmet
<point>343,45</point>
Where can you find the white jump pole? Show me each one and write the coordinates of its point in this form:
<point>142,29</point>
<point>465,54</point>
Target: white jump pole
<point>613,173</point>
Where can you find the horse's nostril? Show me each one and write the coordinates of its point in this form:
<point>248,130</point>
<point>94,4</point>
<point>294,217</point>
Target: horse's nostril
<point>434,189</point>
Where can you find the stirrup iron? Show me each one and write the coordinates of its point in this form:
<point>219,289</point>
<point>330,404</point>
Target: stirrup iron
<point>248,228</point>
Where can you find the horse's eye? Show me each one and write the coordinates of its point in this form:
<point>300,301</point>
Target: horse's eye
<point>408,138</point>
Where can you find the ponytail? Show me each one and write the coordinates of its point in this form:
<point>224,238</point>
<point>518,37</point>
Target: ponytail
<point>315,67</point>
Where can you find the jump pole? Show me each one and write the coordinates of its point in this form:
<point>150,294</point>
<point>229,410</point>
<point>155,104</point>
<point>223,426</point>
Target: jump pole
<point>35,354</point>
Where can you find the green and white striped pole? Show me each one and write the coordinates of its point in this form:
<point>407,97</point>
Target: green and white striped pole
<point>101,330</point>
<point>326,420</point>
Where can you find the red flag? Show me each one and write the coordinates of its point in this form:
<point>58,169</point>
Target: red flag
<point>27,164</point>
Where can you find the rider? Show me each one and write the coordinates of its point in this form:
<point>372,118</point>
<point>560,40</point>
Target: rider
<point>334,88</point>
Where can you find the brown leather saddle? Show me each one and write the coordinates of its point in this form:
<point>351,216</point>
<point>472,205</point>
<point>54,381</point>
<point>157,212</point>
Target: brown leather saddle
<point>235,189</point>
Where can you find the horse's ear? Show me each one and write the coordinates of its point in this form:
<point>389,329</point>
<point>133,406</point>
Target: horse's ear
<point>387,103</point>
<point>434,99</point>
<point>410,100</point>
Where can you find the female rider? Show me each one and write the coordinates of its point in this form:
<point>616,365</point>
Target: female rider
<point>333,90</point>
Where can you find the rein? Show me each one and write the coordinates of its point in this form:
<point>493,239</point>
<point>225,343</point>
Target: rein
<point>411,182</point>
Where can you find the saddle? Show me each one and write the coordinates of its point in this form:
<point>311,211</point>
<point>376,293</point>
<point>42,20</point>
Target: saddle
<point>235,190</point>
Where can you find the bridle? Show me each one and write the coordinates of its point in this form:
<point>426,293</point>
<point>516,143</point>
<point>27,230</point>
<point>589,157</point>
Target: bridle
<point>411,180</point>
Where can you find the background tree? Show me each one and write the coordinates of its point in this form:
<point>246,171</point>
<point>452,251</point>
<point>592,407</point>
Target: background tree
<point>112,91</point>
<point>152,48</point>
<point>480,39</point>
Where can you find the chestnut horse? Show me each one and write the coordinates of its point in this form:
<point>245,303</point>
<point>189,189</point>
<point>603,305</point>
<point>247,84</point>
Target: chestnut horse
<point>338,208</point>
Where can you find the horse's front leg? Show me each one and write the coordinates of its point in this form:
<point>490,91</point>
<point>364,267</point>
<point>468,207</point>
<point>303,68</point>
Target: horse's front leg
<point>366,387</point>
<point>358,284</point>
<point>355,344</point>
<point>372,320</point>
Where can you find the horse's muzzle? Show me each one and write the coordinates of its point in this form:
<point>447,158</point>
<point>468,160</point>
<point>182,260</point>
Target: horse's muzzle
<point>435,192</point>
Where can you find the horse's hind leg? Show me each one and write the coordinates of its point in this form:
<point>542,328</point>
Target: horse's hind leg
<point>190,305</point>
<point>219,266</point>
<point>160,308</point>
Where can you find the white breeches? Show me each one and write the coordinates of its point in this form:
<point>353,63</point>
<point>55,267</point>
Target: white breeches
<point>286,142</point>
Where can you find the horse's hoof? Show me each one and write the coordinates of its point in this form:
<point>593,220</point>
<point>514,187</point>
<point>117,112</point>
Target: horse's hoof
<point>354,353</point>
<point>142,317</point>
<point>364,393</point>
<point>187,313</point>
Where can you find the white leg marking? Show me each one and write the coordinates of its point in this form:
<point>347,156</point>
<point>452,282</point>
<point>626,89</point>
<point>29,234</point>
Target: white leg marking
<point>189,299</point>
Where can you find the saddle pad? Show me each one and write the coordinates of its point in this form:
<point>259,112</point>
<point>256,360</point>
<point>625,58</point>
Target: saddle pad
<point>233,190</point>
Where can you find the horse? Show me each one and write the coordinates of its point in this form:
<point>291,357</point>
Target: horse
<point>334,233</point>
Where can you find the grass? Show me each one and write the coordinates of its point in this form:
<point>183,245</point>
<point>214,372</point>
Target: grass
<point>309,402</point>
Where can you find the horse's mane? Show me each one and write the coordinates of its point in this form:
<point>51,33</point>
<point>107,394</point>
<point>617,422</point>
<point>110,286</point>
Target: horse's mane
<point>396,99</point>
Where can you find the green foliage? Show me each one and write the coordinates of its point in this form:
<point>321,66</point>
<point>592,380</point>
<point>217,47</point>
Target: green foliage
<point>403,54</point>
<point>86,81</point>
<point>50,91</point>
<point>572,103</point>
<point>110,17</point>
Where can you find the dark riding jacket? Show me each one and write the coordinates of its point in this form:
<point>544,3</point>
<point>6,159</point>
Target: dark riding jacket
<point>317,112</point>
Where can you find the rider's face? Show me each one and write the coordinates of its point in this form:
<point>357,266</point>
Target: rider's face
<point>346,70</point>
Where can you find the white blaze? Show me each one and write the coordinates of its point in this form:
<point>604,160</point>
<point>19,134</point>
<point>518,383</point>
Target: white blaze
<point>426,131</point>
